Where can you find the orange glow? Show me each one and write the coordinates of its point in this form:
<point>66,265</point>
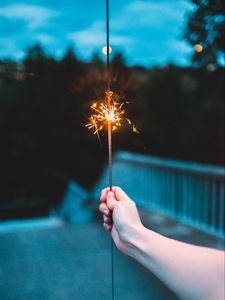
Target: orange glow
<point>103,114</point>
<point>198,48</point>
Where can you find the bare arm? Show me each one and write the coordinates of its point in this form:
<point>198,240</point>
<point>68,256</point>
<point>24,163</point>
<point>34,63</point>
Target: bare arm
<point>192,272</point>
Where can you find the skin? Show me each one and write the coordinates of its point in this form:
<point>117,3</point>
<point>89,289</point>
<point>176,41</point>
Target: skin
<point>192,272</point>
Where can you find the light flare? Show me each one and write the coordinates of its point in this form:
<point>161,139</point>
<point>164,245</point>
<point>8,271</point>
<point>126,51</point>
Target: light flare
<point>104,112</point>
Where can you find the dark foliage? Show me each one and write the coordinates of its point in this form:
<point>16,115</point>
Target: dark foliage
<point>44,105</point>
<point>205,26</point>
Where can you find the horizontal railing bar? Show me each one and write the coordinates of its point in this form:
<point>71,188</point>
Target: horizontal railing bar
<point>170,164</point>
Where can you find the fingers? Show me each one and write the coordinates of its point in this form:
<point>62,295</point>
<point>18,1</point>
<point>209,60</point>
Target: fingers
<point>107,220</point>
<point>119,194</point>
<point>111,200</point>
<point>106,216</point>
<point>107,227</point>
<point>104,195</point>
<point>104,209</point>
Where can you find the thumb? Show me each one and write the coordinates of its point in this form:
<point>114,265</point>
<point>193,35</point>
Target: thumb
<point>111,200</point>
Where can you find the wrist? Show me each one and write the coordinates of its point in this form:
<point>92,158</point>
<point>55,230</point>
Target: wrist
<point>135,240</point>
<point>142,242</point>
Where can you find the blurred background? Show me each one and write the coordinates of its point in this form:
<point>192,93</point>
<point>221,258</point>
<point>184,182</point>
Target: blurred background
<point>168,62</point>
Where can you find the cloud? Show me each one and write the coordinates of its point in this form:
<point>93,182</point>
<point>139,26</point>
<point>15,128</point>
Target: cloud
<point>180,46</point>
<point>8,46</point>
<point>152,13</point>
<point>45,38</point>
<point>168,9</point>
<point>146,31</point>
<point>35,16</point>
<point>165,7</point>
<point>94,36</point>
<point>157,27</point>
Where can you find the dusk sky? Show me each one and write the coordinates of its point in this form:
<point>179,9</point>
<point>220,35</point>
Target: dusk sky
<point>147,32</point>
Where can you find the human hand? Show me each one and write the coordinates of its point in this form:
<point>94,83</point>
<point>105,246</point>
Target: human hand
<point>121,218</point>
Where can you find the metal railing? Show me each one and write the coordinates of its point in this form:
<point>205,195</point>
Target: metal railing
<point>187,192</point>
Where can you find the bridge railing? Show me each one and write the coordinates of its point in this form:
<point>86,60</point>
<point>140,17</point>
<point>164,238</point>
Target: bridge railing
<point>188,192</point>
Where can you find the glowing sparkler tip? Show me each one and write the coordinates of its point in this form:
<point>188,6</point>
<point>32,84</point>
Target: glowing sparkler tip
<point>111,117</point>
<point>104,113</point>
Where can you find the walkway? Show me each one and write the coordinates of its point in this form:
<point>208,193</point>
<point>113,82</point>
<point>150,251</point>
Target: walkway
<point>44,259</point>
<point>70,263</point>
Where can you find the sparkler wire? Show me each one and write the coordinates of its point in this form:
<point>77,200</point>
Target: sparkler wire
<point>109,131</point>
<point>108,114</point>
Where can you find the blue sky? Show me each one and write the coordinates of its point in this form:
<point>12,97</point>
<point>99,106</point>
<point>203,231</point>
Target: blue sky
<point>146,32</point>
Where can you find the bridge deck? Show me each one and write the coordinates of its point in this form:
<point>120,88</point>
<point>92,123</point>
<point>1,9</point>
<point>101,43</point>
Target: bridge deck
<point>49,260</point>
<point>70,263</point>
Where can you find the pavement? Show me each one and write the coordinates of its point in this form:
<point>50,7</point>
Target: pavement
<point>47,259</point>
<point>63,262</point>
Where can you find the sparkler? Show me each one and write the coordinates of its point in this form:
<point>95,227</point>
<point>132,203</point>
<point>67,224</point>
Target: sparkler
<point>110,114</point>
<point>102,114</point>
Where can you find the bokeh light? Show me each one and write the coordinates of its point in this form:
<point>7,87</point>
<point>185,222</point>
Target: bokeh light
<point>104,50</point>
<point>198,48</point>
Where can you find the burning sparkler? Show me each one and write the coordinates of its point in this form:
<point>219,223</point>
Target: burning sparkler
<point>110,114</point>
<point>104,113</point>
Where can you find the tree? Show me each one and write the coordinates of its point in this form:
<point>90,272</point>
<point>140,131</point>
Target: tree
<point>205,27</point>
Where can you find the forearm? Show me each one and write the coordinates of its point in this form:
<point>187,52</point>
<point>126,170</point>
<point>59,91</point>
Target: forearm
<point>192,272</point>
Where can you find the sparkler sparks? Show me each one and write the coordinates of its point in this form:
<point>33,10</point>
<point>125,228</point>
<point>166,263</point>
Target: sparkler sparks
<point>103,113</point>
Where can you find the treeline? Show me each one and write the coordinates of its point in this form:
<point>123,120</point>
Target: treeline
<point>44,105</point>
